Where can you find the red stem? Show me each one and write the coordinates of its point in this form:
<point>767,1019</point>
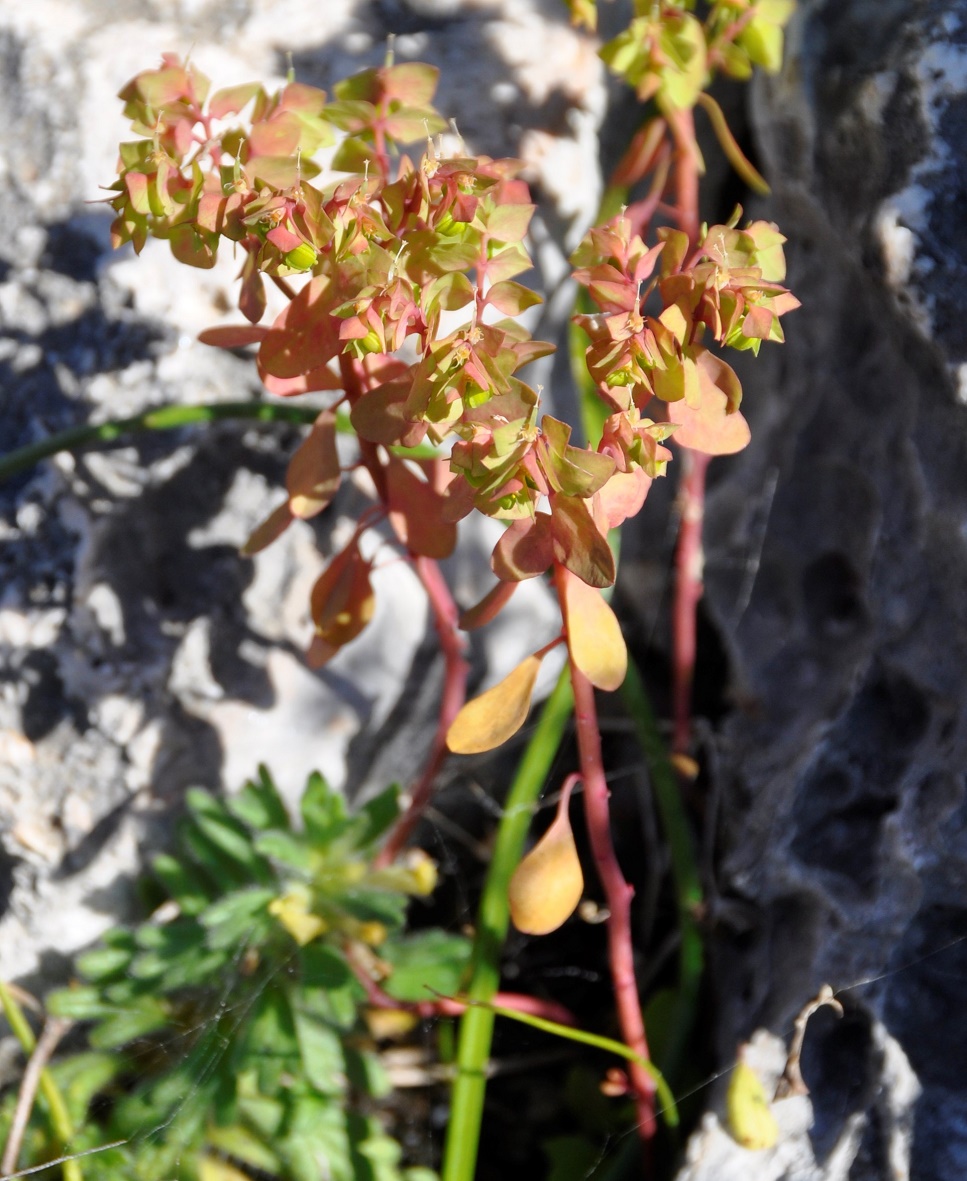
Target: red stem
<point>446,1006</point>
<point>688,592</point>
<point>688,556</point>
<point>446,617</point>
<point>453,644</point>
<point>618,893</point>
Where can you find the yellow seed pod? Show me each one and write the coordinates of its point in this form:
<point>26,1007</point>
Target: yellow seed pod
<point>546,887</point>
<point>750,1117</point>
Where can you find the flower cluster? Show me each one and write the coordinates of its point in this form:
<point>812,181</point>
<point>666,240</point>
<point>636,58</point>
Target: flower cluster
<point>388,252</point>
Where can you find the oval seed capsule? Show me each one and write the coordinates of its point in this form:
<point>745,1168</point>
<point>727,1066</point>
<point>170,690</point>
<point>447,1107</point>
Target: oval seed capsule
<point>546,887</point>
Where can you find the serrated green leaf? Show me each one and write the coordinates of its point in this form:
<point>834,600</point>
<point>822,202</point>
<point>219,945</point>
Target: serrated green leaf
<point>239,918</point>
<point>104,963</point>
<point>323,967</point>
<point>259,804</point>
<point>78,1004</point>
<point>375,906</point>
<point>324,815</point>
<point>244,1145</point>
<point>207,854</point>
<point>376,817</point>
<point>184,883</point>
<point>425,963</point>
<point>286,849</point>
<point>227,834</point>
<point>322,1054</point>
<point>127,1025</point>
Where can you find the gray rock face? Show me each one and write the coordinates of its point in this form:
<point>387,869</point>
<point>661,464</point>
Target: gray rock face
<point>842,797</point>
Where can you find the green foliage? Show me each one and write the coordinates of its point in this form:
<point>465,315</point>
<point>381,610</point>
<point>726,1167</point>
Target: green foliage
<point>225,1032</point>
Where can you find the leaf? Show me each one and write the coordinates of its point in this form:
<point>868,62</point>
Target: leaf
<point>709,427</point>
<point>525,550</point>
<point>313,475</point>
<point>579,544</point>
<point>78,1004</point>
<point>324,968</point>
<point>416,513</point>
<point>622,497</point>
<point>233,336</point>
<point>127,1025</point>
<point>323,811</point>
<point>425,963</point>
<point>321,1053</point>
<point>750,1118</point>
<point>104,963</point>
<point>512,298</point>
<point>244,1145</point>
<point>227,834</point>
<point>594,636</point>
<point>184,883</point>
<point>274,525</point>
<point>341,603</point>
<point>547,885</point>
<point>496,715</point>
<point>231,99</point>
<point>285,849</point>
<point>379,416</point>
<point>488,608</point>
<point>305,334</point>
<point>238,919</point>
<point>258,804</point>
<point>376,816</point>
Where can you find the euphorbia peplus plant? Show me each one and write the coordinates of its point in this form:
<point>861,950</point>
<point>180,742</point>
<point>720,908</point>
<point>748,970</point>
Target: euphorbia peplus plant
<point>372,250</point>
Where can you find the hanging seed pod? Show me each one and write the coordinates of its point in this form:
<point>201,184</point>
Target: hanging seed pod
<point>546,887</point>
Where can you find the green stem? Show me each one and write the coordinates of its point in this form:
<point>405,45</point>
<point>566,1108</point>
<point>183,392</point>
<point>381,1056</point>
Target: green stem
<point>60,1120</point>
<point>167,418</point>
<point>668,1108</point>
<point>684,867</point>
<point>476,1025</point>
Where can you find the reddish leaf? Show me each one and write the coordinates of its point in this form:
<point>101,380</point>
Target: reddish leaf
<point>342,603</point>
<point>307,100</point>
<point>137,185</point>
<point>416,513</point>
<point>251,297</point>
<point>233,336</point>
<point>496,715</point>
<point>322,378</point>
<point>306,334</point>
<point>525,550</point>
<point>709,427</point>
<point>622,497</point>
<point>411,83</point>
<point>511,298</point>
<point>274,525</point>
<point>594,636</point>
<point>232,99</point>
<point>579,544</point>
<point>488,608</point>
<point>313,475</point>
<point>278,136</point>
<point>379,416</point>
<point>192,247</point>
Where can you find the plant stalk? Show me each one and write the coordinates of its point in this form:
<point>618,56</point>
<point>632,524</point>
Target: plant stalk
<point>493,919</point>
